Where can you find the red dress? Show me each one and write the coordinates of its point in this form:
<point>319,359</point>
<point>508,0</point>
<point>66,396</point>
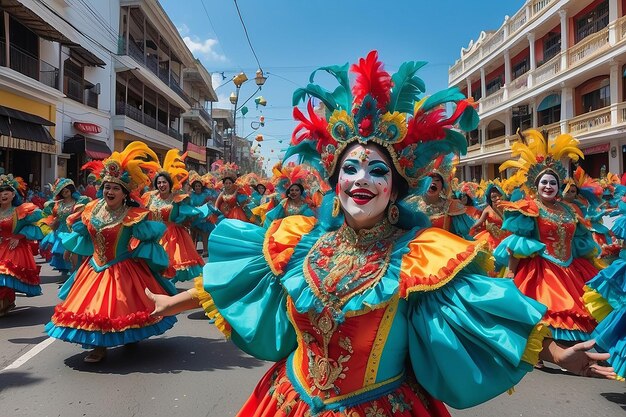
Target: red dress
<point>230,206</point>
<point>493,233</point>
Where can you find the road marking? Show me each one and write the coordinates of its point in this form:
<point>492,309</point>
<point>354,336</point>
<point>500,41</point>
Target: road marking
<point>30,354</point>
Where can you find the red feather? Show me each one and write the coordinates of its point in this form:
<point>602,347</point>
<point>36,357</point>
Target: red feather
<point>314,128</point>
<point>371,79</point>
<point>95,166</point>
<point>426,127</point>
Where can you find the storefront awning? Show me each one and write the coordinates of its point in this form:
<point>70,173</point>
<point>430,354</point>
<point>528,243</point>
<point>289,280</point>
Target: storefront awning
<point>549,102</point>
<point>93,148</point>
<point>21,125</point>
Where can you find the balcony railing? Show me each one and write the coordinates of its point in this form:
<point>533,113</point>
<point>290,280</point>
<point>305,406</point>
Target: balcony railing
<point>492,100</point>
<point>495,144</point>
<point>49,75</point>
<point>588,47</point>
<point>23,62</point>
<point>591,121</point>
<point>125,109</point>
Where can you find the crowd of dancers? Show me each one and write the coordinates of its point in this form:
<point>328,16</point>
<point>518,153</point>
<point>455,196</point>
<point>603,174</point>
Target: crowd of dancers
<point>377,282</point>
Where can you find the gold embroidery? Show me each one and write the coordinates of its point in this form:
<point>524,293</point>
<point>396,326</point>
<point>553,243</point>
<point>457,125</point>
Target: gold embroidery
<point>379,343</point>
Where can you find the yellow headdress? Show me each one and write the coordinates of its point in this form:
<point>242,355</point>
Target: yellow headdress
<point>131,167</point>
<point>537,156</point>
<point>174,166</point>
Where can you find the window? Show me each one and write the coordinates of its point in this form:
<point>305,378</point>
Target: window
<point>597,99</point>
<point>477,94</point>
<point>494,85</point>
<point>476,173</point>
<point>522,119</point>
<point>551,46</point>
<point>472,137</point>
<point>592,22</point>
<point>76,87</point>
<point>549,116</point>
<point>521,68</point>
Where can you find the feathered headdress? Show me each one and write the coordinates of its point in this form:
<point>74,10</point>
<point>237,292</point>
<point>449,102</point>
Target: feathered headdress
<point>195,177</point>
<point>445,166</point>
<point>589,188</point>
<point>16,183</point>
<point>130,168</point>
<point>227,170</point>
<point>174,166</point>
<point>59,185</point>
<point>384,109</point>
<point>537,156</point>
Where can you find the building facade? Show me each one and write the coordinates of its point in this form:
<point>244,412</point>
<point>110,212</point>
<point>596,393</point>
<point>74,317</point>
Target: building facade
<point>557,66</point>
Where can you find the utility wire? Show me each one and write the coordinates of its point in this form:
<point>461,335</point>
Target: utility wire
<point>212,27</point>
<point>246,32</point>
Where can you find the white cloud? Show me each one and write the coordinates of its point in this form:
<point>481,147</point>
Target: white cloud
<point>223,94</point>
<point>205,48</point>
<point>183,30</point>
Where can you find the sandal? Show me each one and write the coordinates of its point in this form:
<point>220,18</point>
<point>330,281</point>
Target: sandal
<point>96,355</point>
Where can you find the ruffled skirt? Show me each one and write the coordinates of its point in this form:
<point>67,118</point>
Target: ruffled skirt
<point>52,249</point>
<point>110,307</point>
<point>276,396</point>
<point>184,261</point>
<point>560,289</point>
<point>18,269</point>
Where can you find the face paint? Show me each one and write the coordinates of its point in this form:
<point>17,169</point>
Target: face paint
<point>548,187</point>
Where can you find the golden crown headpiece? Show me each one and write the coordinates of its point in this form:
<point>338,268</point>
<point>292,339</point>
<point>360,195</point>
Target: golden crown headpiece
<point>384,109</point>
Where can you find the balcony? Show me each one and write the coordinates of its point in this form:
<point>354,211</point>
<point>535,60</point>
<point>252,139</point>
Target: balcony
<point>136,114</point>
<point>151,63</point>
<point>199,116</point>
<point>589,122</point>
<point>28,64</point>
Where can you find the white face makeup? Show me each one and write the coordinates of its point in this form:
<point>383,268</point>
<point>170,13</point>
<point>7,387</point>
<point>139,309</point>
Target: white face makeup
<point>548,187</point>
<point>364,185</point>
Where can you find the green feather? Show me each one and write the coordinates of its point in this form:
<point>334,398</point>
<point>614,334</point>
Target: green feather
<point>342,94</point>
<point>315,91</point>
<point>406,87</point>
<point>443,96</point>
<point>306,154</point>
<point>469,119</point>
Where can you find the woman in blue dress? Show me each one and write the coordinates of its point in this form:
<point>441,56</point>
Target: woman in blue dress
<point>365,310</point>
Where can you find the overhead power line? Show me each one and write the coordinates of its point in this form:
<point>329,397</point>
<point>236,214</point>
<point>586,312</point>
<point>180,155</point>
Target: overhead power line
<point>247,36</point>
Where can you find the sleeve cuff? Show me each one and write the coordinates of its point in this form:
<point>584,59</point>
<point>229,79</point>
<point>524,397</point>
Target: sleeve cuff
<point>535,343</point>
<point>210,310</point>
<point>597,306</point>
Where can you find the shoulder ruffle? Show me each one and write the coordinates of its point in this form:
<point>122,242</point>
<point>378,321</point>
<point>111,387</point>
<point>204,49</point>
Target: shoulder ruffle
<point>281,238</point>
<point>134,215</point>
<point>526,206</point>
<point>434,257</point>
<point>179,197</point>
<point>26,209</point>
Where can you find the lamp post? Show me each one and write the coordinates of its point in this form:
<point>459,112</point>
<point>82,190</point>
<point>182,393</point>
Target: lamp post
<point>238,80</point>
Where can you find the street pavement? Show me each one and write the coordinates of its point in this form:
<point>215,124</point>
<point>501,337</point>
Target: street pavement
<point>192,371</point>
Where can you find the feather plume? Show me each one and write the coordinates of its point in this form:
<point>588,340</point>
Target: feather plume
<point>406,87</point>
<point>95,167</point>
<point>371,79</point>
<point>314,128</point>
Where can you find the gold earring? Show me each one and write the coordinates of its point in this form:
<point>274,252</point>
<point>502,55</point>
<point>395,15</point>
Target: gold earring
<point>393,213</point>
<point>336,207</point>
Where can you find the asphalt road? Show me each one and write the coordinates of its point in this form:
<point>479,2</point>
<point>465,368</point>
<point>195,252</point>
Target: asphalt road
<point>192,371</point>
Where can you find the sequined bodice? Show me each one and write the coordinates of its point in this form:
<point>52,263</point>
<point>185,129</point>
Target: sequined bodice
<point>109,236</point>
<point>229,201</point>
<point>556,230</point>
<point>7,223</point>
<point>62,211</point>
<point>160,209</point>
<point>493,225</point>
<point>294,209</point>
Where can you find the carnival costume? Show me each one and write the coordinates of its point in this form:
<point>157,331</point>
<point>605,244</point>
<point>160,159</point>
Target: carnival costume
<point>104,301</point>
<point>18,270</point>
<point>175,212</point>
<point>605,298</point>
<point>205,199</point>
<point>380,322</point>
<point>446,213</point>
<point>554,244</point>
<point>55,213</point>
<point>231,204</point>
<point>491,230</point>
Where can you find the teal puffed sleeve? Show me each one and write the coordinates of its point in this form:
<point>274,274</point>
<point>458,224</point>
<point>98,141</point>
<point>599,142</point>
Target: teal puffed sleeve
<point>460,225</point>
<point>246,292</point>
<point>78,240</point>
<point>467,339</point>
<point>583,245</point>
<point>148,233</point>
<point>185,210</point>
<point>27,228</point>
<point>521,243</point>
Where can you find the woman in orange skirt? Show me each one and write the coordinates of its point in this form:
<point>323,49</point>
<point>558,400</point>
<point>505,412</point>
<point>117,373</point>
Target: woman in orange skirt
<point>18,270</point>
<point>104,303</point>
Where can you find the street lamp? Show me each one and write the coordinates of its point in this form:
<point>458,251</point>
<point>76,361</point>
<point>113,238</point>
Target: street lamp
<point>238,80</point>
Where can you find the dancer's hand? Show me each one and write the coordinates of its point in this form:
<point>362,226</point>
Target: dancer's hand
<point>161,303</point>
<point>165,305</point>
<point>577,359</point>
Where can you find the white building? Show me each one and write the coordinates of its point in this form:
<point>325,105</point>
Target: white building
<point>557,66</point>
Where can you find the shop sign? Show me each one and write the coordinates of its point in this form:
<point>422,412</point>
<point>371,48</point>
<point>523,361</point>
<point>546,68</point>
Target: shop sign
<point>196,152</point>
<point>88,128</point>
<point>596,149</point>
<point>27,145</point>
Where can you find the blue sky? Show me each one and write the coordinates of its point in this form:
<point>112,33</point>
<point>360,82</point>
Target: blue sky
<point>294,37</point>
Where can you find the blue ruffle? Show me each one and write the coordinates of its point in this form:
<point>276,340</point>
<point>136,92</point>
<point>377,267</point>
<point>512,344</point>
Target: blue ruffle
<point>246,292</point>
<point>187,274</point>
<point>619,227</point>
<point>583,245</point>
<point>518,246</point>
<point>78,241</point>
<point>30,231</point>
<point>519,224</point>
<point>569,335</point>
<point>610,283</point>
<point>466,339</point>
<point>91,339</point>
<point>19,286</point>
<point>149,233</point>
<point>610,336</point>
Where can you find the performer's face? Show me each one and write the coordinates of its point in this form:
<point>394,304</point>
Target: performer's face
<point>6,197</point>
<point>228,184</point>
<point>113,194</point>
<point>365,185</point>
<point>548,187</point>
<point>495,197</point>
<point>435,186</point>
<point>294,192</point>
<point>66,193</point>
<point>197,187</point>
<point>162,185</point>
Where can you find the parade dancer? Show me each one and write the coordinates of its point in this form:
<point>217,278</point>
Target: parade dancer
<point>18,270</point>
<point>201,196</point>
<point>365,311</point>
<point>104,302</point>
<point>231,199</point>
<point>550,252</point>
<point>167,204</point>
<point>64,200</point>
<point>491,218</point>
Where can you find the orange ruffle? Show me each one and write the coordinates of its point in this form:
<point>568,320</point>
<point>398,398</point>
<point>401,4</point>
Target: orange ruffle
<point>19,262</point>
<point>180,249</point>
<point>526,206</point>
<point>435,256</point>
<point>282,237</point>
